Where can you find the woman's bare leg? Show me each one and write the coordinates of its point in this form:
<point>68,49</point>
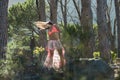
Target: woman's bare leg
<point>61,57</point>
<point>51,57</point>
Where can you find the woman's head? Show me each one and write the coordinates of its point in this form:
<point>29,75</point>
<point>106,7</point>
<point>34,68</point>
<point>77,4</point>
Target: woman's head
<point>50,23</point>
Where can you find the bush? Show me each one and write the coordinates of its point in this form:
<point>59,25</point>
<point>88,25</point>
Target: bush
<point>96,54</point>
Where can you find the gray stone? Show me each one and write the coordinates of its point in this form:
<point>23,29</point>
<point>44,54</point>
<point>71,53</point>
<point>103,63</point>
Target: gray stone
<point>89,69</point>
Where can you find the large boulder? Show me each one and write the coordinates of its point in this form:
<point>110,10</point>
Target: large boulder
<point>89,69</point>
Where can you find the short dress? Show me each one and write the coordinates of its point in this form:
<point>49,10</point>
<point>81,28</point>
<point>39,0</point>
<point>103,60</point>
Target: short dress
<point>53,43</point>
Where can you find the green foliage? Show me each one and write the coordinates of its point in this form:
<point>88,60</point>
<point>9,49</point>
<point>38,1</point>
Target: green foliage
<point>22,13</point>
<point>11,65</point>
<point>74,38</point>
<point>71,38</point>
<point>96,54</point>
<point>95,28</point>
<point>38,50</point>
<point>113,55</point>
<point>74,30</point>
<point>20,18</point>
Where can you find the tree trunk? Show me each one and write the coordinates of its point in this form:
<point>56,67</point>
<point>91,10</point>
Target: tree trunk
<point>109,22</point>
<point>87,26</point>
<point>77,7</point>
<point>53,10</point>
<point>42,17</point>
<point>3,27</point>
<point>104,46</point>
<point>117,9</point>
<point>41,9</point>
<point>63,6</point>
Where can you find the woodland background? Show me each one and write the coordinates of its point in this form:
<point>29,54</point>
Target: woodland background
<point>87,27</point>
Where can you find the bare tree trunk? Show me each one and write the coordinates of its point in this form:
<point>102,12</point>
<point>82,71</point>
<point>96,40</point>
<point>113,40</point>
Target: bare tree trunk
<point>77,7</point>
<point>64,11</point>
<point>110,35</point>
<point>113,37</point>
<point>42,17</point>
<point>41,9</point>
<point>87,26</point>
<point>3,27</point>
<point>103,30</point>
<point>114,33</point>
<point>117,9</point>
<point>42,34</point>
<point>53,10</point>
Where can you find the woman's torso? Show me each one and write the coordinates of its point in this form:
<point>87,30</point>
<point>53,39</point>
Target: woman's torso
<point>54,36</point>
<point>54,33</point>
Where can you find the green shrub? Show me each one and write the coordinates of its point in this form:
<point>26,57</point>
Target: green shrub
<point>113,55</point>
<point>96,54</point>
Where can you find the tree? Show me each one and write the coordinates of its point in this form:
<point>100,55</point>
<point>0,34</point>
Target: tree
<point>3,26</point>
<point>111,36</point>
<point>77,7</point>
<point>41,9</point>
<point>53,10</point>
<point>117,10</point>
<point>104,46</point>
<point>20,17</point>
<point>42,17</point>
<point>87,28</point>
<point>63,6</point>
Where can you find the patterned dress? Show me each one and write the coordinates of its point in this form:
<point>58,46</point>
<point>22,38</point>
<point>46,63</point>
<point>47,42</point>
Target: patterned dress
<point>54,44</point>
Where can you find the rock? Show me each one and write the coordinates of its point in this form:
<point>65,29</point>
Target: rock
<point>89,69</point>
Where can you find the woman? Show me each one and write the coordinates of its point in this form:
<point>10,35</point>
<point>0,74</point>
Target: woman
<point>53,43</point>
